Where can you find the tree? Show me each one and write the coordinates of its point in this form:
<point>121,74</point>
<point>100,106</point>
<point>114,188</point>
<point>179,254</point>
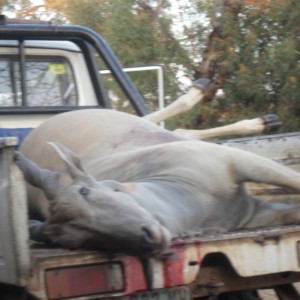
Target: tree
<point>139,33</point>
<point>255,51</point>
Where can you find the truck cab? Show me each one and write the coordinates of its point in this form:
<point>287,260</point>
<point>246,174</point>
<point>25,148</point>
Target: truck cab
<point>57,79</point>
<point>48,69</point>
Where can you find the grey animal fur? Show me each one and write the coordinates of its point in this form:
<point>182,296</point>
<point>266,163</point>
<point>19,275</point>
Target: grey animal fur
<point>119,182</point>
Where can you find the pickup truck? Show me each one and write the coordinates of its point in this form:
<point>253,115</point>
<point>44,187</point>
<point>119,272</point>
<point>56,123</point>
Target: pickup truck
<point>47,69</point>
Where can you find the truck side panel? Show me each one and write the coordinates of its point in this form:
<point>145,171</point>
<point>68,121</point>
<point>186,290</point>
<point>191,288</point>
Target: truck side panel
<point>14,242</point>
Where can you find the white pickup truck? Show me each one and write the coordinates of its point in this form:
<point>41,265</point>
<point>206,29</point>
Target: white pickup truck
<point>47,69</point>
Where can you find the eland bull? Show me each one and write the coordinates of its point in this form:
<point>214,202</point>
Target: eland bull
<point>108,180</point>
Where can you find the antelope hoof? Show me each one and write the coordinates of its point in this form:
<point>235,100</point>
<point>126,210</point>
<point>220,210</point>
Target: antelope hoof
<point>271,122</point>
<point>205,85</point>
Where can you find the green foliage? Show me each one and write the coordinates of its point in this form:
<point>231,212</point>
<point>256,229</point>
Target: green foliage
<point>260,56</point>
<point>138,31</point>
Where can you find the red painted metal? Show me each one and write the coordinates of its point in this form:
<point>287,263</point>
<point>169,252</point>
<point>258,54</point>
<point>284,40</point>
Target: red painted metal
<point>170,271</point>
<point>134,275</point>
<point>173,267</point>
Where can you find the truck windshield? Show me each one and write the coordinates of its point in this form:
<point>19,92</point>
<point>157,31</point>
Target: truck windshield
<point>49,82</point>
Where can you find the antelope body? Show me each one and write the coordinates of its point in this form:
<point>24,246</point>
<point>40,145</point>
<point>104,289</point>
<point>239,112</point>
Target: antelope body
<point>116,181</point>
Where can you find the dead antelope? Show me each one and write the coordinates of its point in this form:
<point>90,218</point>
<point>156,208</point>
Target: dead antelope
<point>108,180</point>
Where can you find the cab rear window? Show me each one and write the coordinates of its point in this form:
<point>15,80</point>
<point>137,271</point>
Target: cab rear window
<point>48,81</point>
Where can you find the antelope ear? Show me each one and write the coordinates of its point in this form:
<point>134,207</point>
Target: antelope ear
<point>70,159</point>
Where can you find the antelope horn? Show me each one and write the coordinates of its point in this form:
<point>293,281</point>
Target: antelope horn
<point>36,176</point>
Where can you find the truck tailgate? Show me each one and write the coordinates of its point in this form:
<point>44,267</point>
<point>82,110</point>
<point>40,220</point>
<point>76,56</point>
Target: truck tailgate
<point>63,273</point>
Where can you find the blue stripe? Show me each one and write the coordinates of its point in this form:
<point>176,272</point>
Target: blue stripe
<point>20,133</point>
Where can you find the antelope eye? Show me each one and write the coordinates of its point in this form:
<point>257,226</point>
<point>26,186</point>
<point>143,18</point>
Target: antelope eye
<point>84,191</point>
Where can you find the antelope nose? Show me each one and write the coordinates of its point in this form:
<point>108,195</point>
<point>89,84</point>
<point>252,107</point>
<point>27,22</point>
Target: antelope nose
<point>148,235</point>
<point>152,236</point>
<point>154,239</point>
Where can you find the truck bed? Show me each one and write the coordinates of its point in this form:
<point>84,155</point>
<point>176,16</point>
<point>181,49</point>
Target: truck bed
<point>249,253</point>
<point>199,265</point>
